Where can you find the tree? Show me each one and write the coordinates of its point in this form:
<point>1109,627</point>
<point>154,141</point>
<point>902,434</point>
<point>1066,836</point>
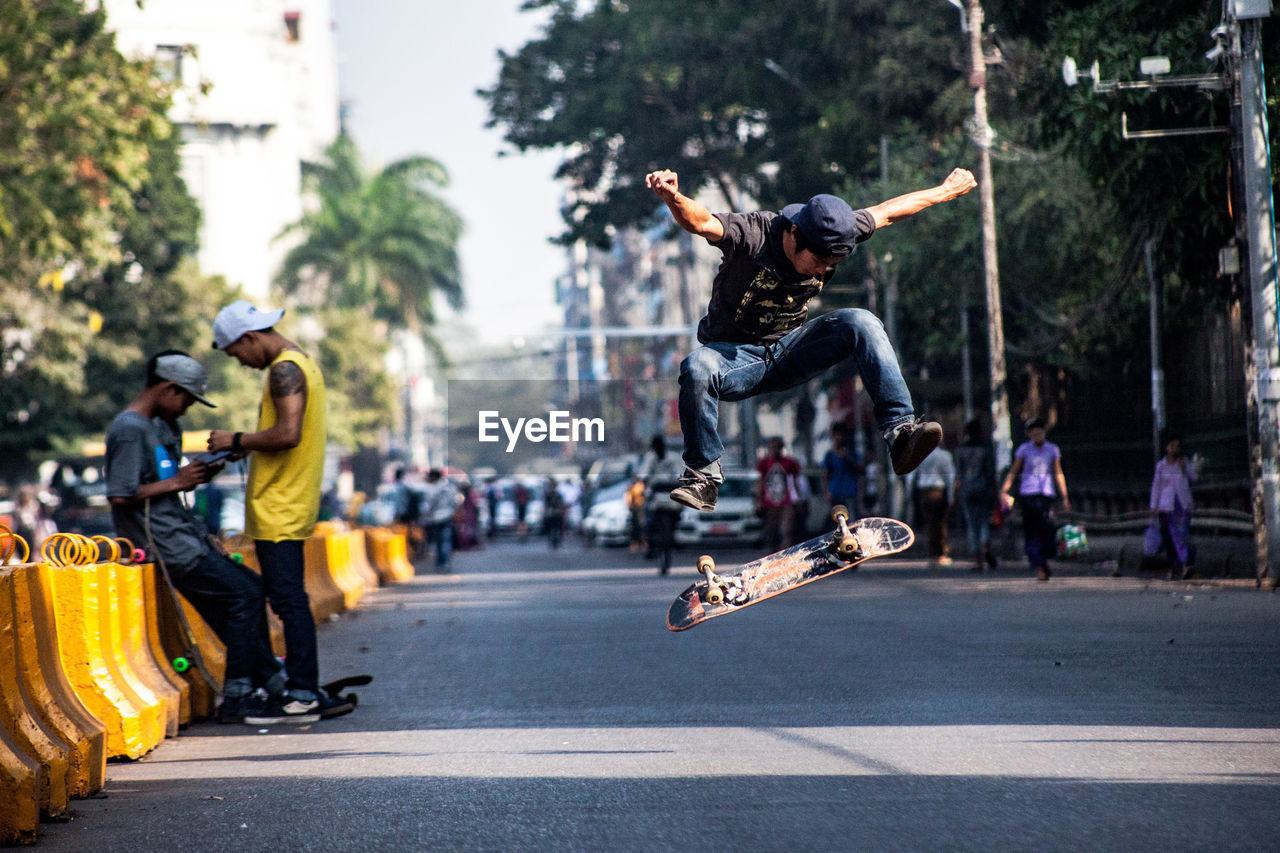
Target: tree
<point>94,221</point>
<point>752,97</point>
<point>381,242</point>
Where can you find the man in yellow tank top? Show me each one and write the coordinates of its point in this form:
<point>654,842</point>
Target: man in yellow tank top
<point>286,465</point>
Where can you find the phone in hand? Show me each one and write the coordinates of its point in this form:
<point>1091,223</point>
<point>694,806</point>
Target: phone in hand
<point>214,458</point>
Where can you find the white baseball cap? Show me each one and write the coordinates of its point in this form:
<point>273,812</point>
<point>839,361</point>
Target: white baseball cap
<point>240,317</point>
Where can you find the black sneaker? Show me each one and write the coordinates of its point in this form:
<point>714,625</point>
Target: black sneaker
<point>232,709</point>
<point>696,490</point>
<point>912,444</point>
<point>288,709</point>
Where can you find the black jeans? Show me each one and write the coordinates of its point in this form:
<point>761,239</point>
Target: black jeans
<point>283,570</point>
<point>229,597</point>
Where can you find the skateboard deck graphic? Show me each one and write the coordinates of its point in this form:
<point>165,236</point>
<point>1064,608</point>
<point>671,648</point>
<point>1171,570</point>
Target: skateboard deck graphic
<point>843,549</point>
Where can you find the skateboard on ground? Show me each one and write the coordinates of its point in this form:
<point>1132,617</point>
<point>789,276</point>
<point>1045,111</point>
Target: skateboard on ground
<point>335,688</point>
<point>845,548</point>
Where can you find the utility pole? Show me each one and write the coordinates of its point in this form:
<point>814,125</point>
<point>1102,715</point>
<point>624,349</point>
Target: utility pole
<point>1001,433</point>
<point>893,486</point>
<point>1258,230</point>
<point>1156,317</point>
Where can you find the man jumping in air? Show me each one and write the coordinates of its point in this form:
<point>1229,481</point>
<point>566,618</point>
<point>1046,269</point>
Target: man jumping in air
<point>756,337</point>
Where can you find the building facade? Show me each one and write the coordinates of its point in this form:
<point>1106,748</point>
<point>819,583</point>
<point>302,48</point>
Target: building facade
<point>257,95</point>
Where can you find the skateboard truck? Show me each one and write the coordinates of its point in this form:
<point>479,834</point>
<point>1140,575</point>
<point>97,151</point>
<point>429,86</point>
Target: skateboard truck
<point>844,544</point>
<point>716,586</point>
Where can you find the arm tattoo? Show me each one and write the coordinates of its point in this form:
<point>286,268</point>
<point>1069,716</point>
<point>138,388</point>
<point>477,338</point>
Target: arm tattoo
<point>287,379</point>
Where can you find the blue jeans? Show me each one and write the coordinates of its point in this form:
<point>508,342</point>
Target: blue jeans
<point>283,580</point>
<point>977,520</point>
<point>732,372</point>
<point>440,534</point>
<point>229,597</point>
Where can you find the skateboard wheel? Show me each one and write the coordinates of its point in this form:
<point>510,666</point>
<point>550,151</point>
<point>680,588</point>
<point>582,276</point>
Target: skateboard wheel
<point>839,513</point>
<point>181,664</point>
<point>715,595</point>
<point>847,547</point>
<point>706,564</point>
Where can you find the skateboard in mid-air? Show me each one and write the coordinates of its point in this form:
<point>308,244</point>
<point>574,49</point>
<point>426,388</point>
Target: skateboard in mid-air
<point>846,547</point>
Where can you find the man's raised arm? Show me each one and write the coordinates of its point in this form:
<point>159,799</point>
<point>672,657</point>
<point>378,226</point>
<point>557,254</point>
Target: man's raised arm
<point>959,182</point>
<point>688,214</point>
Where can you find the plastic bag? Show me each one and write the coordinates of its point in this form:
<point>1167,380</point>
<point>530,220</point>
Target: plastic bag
<point>1152,539</point>
<point>1072,541</point>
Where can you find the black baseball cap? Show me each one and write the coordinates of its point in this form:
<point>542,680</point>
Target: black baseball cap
<point>827,223</point>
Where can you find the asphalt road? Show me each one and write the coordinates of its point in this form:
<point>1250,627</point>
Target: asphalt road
<point>534,700</point>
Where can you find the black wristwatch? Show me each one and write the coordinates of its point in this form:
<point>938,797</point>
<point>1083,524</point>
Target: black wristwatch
<point>235,442</point>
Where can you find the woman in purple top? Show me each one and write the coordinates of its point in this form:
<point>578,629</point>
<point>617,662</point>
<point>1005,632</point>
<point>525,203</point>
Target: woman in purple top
<point>1039,463</point>
<point>1171,506</point>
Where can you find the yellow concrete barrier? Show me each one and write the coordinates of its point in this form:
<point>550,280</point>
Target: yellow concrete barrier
<point>389,550</point>
<point>327,598</point>
<point>140,630</point>
<point>21,780</point>
<point>131,606</point>
<point>89,655</point>
<point>115,613</point>
<point>338,553</point>
<point>360,559</point>
<point>173,644</point>
<point>47,683</point>
<point>146,573</point>
<point>20,719</point>
<point>212,651</point>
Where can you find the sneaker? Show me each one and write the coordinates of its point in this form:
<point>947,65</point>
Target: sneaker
<point>696,490</point>
<point>231,709</point>
<point>912,443</point>
<point>1043,573</point>
<point>288,709</point>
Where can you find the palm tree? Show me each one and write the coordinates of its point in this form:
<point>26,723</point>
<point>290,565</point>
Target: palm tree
<point>380,241</point>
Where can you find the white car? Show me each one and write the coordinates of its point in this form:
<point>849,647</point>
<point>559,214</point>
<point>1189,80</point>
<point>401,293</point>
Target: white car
<point>608,522</point>
<point>733,520</point>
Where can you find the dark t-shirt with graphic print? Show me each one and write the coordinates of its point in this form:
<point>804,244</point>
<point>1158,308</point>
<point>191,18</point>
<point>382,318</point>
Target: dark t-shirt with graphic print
<point>757,295</point>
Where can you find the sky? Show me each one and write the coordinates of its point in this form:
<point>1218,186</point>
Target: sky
<point>408,71</point>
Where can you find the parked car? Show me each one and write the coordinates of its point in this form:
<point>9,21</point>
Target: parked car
<point>733,520</point>
<point>608,522</point>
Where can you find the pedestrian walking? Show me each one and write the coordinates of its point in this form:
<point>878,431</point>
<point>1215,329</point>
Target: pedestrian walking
<point>975,491</point>
<point>842,468</point>
<point>1037,468</point>
<point>440,501</point>
<point>1171,505</point>
<point>777,495</point>
<point>933,485</point>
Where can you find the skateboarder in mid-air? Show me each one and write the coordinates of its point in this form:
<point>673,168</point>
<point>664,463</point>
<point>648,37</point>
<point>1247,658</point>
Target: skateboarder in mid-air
<point>756,337</point>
